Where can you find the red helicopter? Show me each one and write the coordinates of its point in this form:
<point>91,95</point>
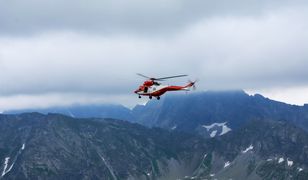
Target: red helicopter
<point>152,88</point>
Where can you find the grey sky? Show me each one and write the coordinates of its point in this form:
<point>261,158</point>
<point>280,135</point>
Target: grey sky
<point>123,16</point>
<point>63,52</point>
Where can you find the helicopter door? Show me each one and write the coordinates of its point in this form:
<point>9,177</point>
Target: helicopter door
<point>145,89</point>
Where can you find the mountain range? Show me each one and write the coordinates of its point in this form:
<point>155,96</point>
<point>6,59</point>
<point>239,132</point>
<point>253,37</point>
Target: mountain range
<point>83,111</point>
<point>209,135</point>
<point>216,111</point>
<point>54,146</point>
<point>209,114</point>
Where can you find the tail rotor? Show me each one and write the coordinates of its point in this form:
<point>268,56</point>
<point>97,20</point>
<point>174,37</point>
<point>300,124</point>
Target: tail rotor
<point>193,84</point>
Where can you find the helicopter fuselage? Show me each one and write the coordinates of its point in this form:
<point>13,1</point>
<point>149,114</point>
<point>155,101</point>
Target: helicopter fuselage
<point>153,88</point>
<point>156,90</point>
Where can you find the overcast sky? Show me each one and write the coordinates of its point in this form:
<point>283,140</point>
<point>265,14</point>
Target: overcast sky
<point>55,52</point>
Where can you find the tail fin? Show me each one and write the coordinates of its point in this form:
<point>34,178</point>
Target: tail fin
<point>191,84</point>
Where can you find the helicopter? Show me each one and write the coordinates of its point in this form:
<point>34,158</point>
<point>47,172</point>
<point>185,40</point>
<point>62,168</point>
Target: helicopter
<point>152,88</point>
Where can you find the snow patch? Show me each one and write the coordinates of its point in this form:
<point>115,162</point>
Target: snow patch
<point>109,167</point>
<point>7,159</point>
<point>174,127</point>
<point>280,160</point>
<point>300,169</point>
<point>269,159</point>
<point>213,133</point>
<point>248,149</point>
<point>143,103</point>
<point>225,128</point>
<point>227,164</point>
<point>23,146</point>
<point>201,164</point>
<point>212,175</point>
<point>213,125</point>
<point>6,163</point>
<point>290,163</point>
<point>71,114</point>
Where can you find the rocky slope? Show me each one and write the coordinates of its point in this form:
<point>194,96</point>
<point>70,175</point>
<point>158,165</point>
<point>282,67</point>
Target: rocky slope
<point>263,149</point>
<point>37,146</point>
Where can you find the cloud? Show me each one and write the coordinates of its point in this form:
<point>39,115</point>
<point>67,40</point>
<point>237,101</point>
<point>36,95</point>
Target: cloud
<point>123,16</point>
<point>63,99</point>
<point>291,95</point>
<point>93,51</point>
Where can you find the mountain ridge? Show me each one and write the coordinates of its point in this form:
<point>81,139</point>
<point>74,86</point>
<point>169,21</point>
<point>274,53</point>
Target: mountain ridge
<point>194,112</point>
<point>114,111</point>
<point>53,146</point>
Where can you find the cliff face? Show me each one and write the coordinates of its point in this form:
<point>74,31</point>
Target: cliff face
<point>36,146</point>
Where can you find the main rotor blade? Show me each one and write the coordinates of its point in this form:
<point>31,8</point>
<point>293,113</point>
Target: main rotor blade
<point>170,77</point>
<point>143,76</point>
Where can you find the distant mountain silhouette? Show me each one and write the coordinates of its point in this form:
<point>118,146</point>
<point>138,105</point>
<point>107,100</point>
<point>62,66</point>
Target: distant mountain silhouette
<point>84,111</point>
<point>194,112</point>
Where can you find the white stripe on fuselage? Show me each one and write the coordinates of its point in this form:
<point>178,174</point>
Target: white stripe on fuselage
<point>153,89</point>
